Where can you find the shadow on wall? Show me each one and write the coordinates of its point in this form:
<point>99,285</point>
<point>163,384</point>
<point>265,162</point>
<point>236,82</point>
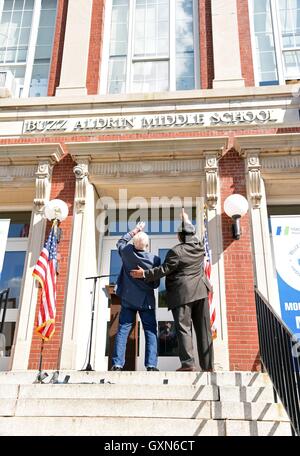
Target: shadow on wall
<point>233,180</point>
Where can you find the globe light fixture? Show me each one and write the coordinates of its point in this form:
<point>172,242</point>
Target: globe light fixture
<point>235,206</point>
<point>56,209</point>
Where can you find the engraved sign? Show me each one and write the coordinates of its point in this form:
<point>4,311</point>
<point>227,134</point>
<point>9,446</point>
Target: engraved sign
<point>185,121</point>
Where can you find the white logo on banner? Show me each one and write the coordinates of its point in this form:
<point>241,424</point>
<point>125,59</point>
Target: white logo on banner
<point>286,239</point>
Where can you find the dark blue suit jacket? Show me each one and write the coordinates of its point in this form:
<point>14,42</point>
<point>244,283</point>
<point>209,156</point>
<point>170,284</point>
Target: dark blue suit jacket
<point>135,293</point>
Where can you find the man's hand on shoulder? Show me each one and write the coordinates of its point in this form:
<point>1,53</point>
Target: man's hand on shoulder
<point>137,273</point>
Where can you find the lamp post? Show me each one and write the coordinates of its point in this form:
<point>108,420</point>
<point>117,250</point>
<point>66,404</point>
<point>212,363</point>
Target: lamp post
<point>56,210</point>
<point>236,206</point>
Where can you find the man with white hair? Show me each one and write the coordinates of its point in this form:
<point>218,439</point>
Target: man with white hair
<point>136,296</point>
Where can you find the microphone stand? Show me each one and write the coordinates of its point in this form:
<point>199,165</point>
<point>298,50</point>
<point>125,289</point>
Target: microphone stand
<point>94,278</point>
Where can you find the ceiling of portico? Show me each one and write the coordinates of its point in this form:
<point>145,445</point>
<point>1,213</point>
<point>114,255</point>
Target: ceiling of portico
<point>148,190</point>
<point>285,189</point>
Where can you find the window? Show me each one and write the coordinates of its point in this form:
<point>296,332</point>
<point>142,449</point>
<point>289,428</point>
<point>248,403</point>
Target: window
<point>11,274</point>
<point>26,38</point>
<point>276,40</point>
<point>151,46</point>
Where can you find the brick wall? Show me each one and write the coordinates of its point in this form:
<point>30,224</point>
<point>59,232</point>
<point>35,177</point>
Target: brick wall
<point>95,48</point>
<point>206,45</point>
<point>245,42</point>
<point>63,187</point>
<point>58,44</point>
<point>239,276</point>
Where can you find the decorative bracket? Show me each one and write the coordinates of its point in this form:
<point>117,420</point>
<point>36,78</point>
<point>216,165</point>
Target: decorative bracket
<point>42,185</point>
<point>211,172</point>
<point>253,168</point>
<point>82,177</point>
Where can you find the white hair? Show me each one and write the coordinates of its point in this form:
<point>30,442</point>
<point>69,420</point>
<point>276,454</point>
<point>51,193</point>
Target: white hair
<point>141,241</point>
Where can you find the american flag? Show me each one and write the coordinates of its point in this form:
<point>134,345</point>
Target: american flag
<point>207,272</point>
<point>45,273</point>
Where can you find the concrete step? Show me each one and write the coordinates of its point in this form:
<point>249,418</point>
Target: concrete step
<point>258,411</point>
<point>144,408</point>
<point>122,391</point>
<point>110,426</point>
<point>246,393</point>
<point>146,378</point>
<point>116,391</point>
<point>257,428</point>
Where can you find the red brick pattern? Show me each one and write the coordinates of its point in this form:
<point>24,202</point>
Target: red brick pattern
<point>57,51</point>
<point>245,42</point>
<point>96,38</point>
<point>206,45</point>
<point>239,276</point>
<point>63,187</point>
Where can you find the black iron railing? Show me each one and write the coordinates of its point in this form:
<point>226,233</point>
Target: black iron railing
<point>3,306</point>
<point>280,356</point>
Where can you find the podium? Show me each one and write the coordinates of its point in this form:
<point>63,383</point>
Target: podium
<point>132,341</point>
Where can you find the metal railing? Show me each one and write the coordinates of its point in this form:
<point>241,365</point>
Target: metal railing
<point>3,306</point>
<point>280,356</point>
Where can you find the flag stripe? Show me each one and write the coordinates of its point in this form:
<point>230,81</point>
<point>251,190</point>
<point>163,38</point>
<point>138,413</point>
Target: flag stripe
<point>207,272</point>
<point>45,273</point>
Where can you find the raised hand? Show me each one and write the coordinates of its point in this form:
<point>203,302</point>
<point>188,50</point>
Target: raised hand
<point>140,226</point>
<point>184,215</point>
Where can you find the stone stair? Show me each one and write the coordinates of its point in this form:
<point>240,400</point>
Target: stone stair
<point>141,404</point>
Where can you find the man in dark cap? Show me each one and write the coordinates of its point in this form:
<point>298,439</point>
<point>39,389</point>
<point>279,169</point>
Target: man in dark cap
<point>186,295</point>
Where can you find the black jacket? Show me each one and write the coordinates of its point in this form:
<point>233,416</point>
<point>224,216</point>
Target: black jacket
<point>183,268</point>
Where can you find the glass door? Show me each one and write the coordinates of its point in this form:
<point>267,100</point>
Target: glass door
<point>167,341</point>
<point>11,277</point>
<point>109,268</point>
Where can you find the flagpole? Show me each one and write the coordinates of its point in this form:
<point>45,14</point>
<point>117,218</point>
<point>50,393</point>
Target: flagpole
<point>40,377</point>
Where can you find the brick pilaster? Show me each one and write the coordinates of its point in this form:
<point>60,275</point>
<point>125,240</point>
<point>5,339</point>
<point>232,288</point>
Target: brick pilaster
<point>206,45</point>
<point>96,38</point>
<point>245,42</point>
<point>63,187</point>
<point>239,275</point>
<point>58,45</point>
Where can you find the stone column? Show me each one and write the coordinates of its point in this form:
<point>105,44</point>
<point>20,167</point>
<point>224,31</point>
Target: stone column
<point>213,207</point>
<point>264,272</point>
<point>76,49</point>
<point>29,292</point>
<point>83,263</point>
<point>226,50</point>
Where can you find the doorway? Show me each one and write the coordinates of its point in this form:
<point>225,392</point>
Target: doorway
<point>167,341</point>
<point>11,277</point>
<point>161,226</point>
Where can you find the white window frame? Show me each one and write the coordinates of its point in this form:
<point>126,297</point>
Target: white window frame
<point>23,91</point>
<point>130,59</point>
<point>279,50</point>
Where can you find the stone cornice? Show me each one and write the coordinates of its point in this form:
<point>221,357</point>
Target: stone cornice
<point>280,163</point>
<point>91,101</point>
<point>21,154</point>
<point>147,149</point>
<point>287,143</point>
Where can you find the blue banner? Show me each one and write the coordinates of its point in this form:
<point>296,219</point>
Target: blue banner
<point>286,243</point>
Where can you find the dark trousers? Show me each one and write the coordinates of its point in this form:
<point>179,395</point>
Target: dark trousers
<point>194,314</point>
